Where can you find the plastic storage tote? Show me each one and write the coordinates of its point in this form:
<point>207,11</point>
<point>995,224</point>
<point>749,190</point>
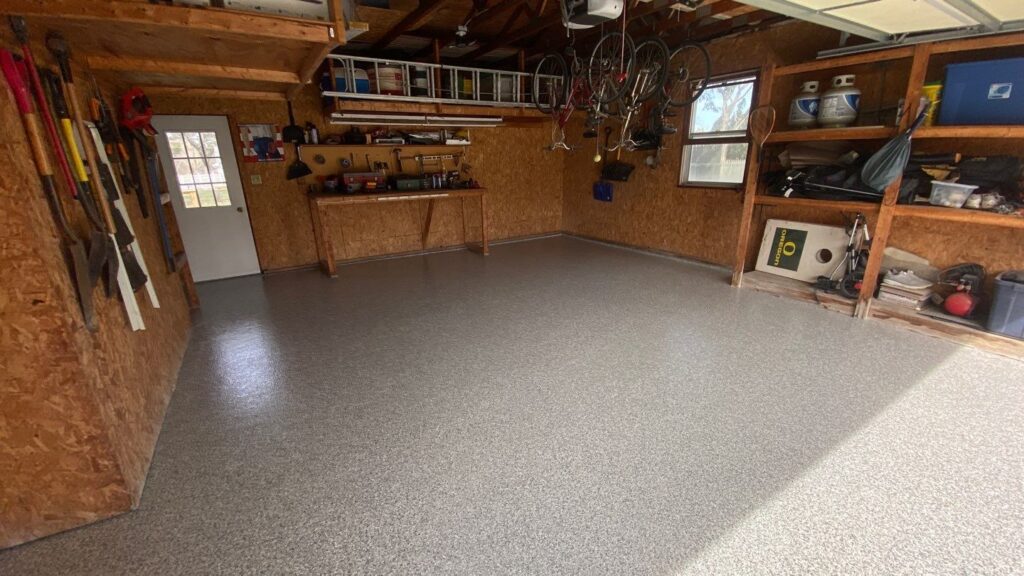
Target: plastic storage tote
<point>1007,314</point>
<point>990,92</point>
<point>950,194</point>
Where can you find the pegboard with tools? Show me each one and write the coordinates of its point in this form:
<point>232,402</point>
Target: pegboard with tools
<point>346,168</point>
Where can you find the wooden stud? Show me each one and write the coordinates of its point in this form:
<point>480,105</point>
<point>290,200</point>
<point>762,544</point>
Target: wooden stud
<point>186,92</point>
<point>883,227</point>
<point>119,64</point>
<point>764,97</point>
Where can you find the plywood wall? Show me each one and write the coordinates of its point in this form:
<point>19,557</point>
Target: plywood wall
<point>524,184</point>
<point>651,211</point>
<point>79,411</point>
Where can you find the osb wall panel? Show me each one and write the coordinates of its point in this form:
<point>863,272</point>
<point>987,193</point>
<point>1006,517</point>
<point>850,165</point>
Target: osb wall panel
<point>79,411</point>
<point>524,186</point>
<point>651,211</point>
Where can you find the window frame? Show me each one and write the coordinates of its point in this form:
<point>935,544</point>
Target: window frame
<point>735,137</point>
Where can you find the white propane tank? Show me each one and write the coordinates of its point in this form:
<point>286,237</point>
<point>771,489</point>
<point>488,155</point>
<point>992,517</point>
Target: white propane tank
<point>803,111</point>
<point>840,104</point>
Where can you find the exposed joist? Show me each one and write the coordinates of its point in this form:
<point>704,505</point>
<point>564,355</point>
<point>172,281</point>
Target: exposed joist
<point>704,11</point>
<point>479,19</point>
<point>213,93</point>
<point>110,63</point>
<point>139,13</point>
<point>412,20</point>
<point>529,29</point>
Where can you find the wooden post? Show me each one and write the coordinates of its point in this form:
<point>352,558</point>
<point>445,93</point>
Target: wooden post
<point>426,226</point>
<point>752,178</point>
<point>437,71</point>
<point>483,224</point>
<point>918,71</point>
<point>522,79</point>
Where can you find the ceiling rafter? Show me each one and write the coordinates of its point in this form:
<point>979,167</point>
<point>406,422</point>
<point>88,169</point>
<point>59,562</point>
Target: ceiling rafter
<point>481,18</point>
<point>412,20</point>
<point>531,28</point>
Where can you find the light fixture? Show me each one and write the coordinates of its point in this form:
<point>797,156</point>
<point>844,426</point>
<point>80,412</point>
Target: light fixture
<point>350,118</point>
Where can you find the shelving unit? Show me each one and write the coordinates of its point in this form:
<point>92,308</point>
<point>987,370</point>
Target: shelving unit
<point>888,213</point>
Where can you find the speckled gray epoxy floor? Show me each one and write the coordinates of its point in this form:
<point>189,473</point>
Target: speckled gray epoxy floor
<point>563,407</point>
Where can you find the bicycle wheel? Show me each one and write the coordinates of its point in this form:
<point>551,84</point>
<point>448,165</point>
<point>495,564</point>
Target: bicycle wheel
<point>689,71</point>
<point>550,83</point>
<point>651,69</point>
<point>611,67</point>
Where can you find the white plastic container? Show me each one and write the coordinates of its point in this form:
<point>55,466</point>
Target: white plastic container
<point>950,194</point>
<point>803,110</point>
<point>840,104</point>
<point>387,79</point>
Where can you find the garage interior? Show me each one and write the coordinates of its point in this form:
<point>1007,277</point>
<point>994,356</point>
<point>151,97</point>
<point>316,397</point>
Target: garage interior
<point>512,287</point>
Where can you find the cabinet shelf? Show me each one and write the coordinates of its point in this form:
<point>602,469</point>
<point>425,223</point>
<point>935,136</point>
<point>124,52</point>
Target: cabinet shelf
<point>838,205</point>
<point>959,215</point>
<point>823,134</point>
<point>969,132</point>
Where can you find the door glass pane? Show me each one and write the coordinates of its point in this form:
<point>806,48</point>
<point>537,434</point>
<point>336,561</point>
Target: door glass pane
<point>193,145</point>
<point>210,144</point>
<point>199,170</point>
<point>183,171</point>
<point>177,144</point>
<point>188,194</point>
<point>220,192</point>
<point>206,197</point>
<point>216,169</point>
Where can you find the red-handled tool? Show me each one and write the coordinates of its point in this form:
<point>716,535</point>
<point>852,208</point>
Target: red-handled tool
<point>79,262</point>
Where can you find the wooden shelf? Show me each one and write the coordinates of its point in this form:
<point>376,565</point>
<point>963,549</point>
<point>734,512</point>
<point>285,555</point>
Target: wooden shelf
<point>838,205</point>
<point>969,132</point>
<point>959,215</point>
<point>509,114</point>
<point>959,333</point>
<point>821,134</point>
<point>382,146</point>
<point>843,61</point>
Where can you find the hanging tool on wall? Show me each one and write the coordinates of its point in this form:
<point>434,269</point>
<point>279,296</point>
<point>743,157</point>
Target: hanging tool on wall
<point>151,184</point>
<point>78,260</point>
<point>113,143</point>
<point>129,274</point>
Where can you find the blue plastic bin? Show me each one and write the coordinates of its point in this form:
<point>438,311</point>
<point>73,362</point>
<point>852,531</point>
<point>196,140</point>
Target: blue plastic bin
<point>990,92</point>
<point>1007,314</point>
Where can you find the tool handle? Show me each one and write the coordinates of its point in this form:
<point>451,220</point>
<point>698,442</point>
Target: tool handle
<point>17,86</point>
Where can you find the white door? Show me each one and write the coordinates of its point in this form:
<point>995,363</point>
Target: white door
<point>206,191</point>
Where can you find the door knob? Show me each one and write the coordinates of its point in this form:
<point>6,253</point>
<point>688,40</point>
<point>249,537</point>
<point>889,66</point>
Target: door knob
<point>239,209</point>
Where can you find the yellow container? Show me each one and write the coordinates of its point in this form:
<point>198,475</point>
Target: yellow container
<point>933,92</point>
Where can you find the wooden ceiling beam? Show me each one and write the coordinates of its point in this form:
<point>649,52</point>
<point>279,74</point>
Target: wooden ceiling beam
<point>115,64</point>
<point>412,20</point>
<point>705,11</point>
<point>480,19</point>
<point>755,19</point>
<point>214,93</point>
<point>530,29</point>
<point>139,13</point>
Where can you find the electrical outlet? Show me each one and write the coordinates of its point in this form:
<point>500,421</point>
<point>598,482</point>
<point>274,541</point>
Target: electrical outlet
<point>256,179</point>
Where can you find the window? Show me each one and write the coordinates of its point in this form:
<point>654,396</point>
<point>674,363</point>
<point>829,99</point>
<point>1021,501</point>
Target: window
<point>199,169</point>
<point>716,150</point>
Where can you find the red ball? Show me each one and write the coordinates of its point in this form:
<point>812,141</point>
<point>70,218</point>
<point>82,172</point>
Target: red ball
<point>960,304</point>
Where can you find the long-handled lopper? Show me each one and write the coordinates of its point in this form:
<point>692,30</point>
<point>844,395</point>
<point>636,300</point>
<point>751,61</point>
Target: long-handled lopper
<point>79,261</point>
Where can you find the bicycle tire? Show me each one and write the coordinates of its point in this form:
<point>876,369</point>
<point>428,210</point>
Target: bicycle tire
<point>553,99</point>
<point>608,81</point>
<point>651,53</point>
<point>676,90</point>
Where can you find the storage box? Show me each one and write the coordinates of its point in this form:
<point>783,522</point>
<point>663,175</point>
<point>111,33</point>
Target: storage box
<point>1007,313</point>
<point>801,251</point>
<point>950,194</point>
<point>990,92</point>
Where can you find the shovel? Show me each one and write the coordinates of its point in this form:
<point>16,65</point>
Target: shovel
<point>886,165</point>
<point>79,262</point>
<point>298,168</point>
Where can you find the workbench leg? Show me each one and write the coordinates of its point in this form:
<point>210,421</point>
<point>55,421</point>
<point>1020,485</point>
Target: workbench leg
<point>426,226</point>
<point>465,228</point>
<point>323,244</point>
<point>483,225</point>
<point>325,233</point>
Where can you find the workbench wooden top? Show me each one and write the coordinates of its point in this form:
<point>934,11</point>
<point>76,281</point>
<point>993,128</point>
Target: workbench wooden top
<point>393,196</point>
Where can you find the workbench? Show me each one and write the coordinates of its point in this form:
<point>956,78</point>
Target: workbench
<point>319,203</point>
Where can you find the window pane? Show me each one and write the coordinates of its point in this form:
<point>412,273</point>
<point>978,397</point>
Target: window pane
<point>220,192</point>
<point>184,172</point>
<point>177,144</point>
<point>188,195</point>
<point>723,163</point>
<point>199,170</point>
<point>722,108</point>
<point>216,169</point>
<point>193,145</point>
<point>210,144</point>
<point>206,198</point>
